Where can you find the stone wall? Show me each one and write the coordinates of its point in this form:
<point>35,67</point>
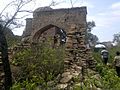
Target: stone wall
<point>73,22</point>
<point>62,18</point>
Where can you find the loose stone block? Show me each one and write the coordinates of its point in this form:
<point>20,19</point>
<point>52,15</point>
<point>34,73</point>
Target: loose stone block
<point>66,79</point>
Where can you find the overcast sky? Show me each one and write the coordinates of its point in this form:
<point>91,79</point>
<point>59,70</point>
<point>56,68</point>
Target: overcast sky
<point>105,13</point>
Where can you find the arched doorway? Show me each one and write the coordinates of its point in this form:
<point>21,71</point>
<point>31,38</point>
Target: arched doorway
<point>51,33</point>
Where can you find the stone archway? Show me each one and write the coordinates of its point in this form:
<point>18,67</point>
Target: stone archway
<point>56,34</point>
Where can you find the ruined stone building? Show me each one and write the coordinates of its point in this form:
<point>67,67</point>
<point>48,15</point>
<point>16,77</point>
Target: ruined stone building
<point>47,18</point>
<point>69,27</point>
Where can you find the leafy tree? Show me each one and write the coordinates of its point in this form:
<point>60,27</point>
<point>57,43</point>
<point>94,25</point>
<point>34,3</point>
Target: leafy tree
<point>90,26</point>
<point>91,38</point>
<point>11,38</point>
<point>116,38</point>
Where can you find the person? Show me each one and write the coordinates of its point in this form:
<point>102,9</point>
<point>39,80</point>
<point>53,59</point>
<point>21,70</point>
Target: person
<point>117,63</point>
<point>104,55</point>
<point>62,37</point>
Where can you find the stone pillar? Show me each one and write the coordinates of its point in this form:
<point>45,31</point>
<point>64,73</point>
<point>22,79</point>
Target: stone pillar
<point>75,57</point>
<point>76,38</point>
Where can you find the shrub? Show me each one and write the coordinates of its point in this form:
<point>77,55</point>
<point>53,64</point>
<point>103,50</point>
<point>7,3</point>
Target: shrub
<point>40,64</point>
<point>109,78</point>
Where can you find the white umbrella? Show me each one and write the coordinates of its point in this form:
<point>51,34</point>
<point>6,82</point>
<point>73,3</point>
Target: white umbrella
<point>99,46</point>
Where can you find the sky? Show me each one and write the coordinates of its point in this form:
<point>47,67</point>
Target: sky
<point>105,13</point>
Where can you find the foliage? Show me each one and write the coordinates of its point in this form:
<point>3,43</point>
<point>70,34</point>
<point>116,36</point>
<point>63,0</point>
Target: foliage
<point>97,56</point>
<point>21,56</point>
<point>112,53</point>
<point>106,77</point>
<point>40,64</point>
<point>24,85</point>
<point>91,38</point>
<point>11,38</point>
<point>90,25</point>
<point>90,82</point>
<point>116,38</point>
<point>109,78</point>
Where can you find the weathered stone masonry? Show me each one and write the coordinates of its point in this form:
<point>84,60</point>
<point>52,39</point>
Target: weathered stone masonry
<point>73,22</point>
<point>62,18</point>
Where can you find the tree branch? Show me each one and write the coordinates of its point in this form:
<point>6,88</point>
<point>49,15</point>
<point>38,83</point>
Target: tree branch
<point>71,3</point>
<point>6,7</point>
<point>20,5</point>
<point>26,11</point>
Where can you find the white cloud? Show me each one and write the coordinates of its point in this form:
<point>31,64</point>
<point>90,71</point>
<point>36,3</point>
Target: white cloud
<point>108,17</point>
<point>115,5</point>
<point>116,13</point>
<point>101,22</point>
<point>106,22</point>
<point>102,14</point>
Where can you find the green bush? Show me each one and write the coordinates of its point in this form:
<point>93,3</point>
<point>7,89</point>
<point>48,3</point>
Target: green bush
<point>20,56</point>
<point>24,85</point>
<point>109,78</point>
<point>40,64</point>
